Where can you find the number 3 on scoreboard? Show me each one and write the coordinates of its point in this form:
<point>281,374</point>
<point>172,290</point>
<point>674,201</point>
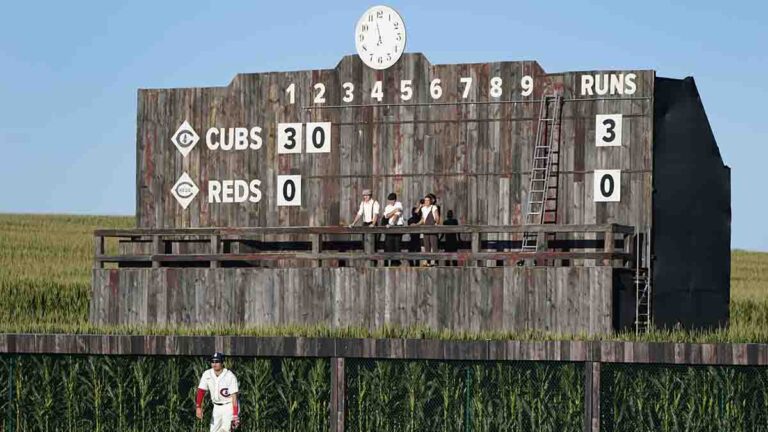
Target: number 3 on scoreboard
<point>608,130</point>
<point>288,138</point>
<point>288,190</point>
<point>607,185</point>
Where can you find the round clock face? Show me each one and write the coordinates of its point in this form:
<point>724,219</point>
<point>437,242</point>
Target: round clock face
<point>380,37</point>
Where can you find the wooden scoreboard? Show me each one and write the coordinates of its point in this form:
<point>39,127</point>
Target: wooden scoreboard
<point>297,148</point>
<point>589,201</point>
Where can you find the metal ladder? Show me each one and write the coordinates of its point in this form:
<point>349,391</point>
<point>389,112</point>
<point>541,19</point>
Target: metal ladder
<point>545,150</point>
<point>642,279</point>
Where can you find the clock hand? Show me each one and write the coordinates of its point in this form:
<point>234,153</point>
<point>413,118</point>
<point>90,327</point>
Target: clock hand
<point>379,32</point>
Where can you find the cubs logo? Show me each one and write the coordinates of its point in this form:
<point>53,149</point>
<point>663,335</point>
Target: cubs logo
<point>224,392</point>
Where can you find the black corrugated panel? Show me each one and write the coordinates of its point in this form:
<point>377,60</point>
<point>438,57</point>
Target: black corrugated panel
<point>691,212</point>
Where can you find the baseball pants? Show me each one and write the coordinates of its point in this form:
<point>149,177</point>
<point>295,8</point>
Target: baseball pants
<point>221,421</point>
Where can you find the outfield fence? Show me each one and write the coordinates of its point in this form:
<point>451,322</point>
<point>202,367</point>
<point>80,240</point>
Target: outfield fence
<point>147,383</point>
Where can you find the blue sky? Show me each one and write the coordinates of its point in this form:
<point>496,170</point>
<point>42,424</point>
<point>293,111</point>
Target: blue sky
<point>69,72</point>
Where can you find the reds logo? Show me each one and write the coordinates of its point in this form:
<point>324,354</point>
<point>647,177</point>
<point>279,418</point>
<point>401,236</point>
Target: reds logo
<point>224,392</point>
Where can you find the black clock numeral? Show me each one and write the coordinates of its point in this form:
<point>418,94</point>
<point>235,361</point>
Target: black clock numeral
<point>364,28</point>
<point>379,14</point>
<point>389,56</point>
<point>370,17</point>
<point>365,48</point>
<point>398,37</point>
<point>397,26</point>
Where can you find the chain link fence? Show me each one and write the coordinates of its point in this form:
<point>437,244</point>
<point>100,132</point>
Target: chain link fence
<point>667,398</point>
<point>145,393</point>
<point>115,393</point>
<point>410,396</point>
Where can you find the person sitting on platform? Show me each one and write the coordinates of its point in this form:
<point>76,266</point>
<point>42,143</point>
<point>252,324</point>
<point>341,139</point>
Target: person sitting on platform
<point>393,214</point>
<point>369,210</point>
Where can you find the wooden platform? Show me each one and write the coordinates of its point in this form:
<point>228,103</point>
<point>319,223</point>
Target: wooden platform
<point>577,283</point>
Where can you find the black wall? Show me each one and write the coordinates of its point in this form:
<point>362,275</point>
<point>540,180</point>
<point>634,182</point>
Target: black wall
<point>691,212</point>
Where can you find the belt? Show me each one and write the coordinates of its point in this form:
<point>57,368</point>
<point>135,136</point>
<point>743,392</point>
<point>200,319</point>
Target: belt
<point>222,403</point>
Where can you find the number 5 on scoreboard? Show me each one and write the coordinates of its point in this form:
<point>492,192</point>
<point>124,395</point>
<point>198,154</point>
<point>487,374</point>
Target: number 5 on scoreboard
<point>288,190</point>
<point>607,185</point>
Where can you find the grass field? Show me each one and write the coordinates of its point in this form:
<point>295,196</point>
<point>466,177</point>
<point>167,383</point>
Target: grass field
<point>45,267</point>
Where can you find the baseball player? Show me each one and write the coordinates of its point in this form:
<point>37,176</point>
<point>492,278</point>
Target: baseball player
<point>221,383</point>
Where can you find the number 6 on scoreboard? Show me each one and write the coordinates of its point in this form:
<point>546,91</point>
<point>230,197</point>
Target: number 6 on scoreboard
<point>607,185</point>
<point>288,190</point>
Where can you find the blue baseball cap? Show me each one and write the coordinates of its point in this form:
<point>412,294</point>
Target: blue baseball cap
<point>217,357</point>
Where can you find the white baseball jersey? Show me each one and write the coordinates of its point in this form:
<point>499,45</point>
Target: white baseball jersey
<point>219,387</point>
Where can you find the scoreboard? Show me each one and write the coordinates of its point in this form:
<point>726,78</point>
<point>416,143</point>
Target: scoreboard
<point>298,148</point>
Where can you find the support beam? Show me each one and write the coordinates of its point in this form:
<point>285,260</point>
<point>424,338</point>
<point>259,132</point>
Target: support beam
<point>338,394</point>
<point>98,250</point>
<point>156,250</point>
<point>214,250</point>
<point>592,396</point>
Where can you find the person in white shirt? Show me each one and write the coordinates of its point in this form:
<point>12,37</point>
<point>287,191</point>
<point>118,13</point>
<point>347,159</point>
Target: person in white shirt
<point>430,215</point>
<point>393,214</point>
<point>221,383</point>
<point>368,211</point>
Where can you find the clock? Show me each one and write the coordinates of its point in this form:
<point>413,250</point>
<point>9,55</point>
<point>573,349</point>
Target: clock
<point>380,37</point>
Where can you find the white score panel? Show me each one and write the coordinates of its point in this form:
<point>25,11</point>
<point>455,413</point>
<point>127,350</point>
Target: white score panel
<point>288,190</point>
<point>607,185</point>
<point>288,138</point>
<point>319,137</point>
<point>608,130</point>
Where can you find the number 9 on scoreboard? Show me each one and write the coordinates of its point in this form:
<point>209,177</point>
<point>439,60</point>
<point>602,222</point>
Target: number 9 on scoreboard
<point>288,190</point>
<point>607,185</point>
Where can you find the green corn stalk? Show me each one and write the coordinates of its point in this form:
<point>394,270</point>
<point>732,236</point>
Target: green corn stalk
<point>257,394</point>
<point>41,394</point>
<point>292,370</point>
<point>317,389</point>
<point>142,375</point>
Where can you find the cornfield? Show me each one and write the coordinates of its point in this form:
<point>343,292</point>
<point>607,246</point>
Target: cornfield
<point>669,398</point>
<point>413,396</point>
<point>45,264</point>
<point>103,393</point>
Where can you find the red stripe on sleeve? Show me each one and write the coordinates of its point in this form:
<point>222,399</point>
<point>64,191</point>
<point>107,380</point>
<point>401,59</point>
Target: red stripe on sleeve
<point>199,397</point>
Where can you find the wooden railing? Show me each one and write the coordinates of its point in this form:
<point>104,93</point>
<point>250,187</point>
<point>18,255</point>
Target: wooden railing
<point>608,244</point>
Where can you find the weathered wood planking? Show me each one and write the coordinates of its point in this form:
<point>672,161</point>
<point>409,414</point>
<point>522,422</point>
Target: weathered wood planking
<point>475,157</point>
<point>735,354</point>
<point>455,298</point>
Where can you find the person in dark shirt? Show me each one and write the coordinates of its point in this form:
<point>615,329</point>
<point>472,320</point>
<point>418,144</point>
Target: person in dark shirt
<point>451,239</point>
<point>414,243</point>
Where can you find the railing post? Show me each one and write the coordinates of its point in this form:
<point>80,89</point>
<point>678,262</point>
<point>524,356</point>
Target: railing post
<point>98,251</point>
<point>608,247</point>
<point>214,250</point>
<point>156,244</point>
<point>592,396</point>
<point>338,394</point>
<point>317,241</point>
<point>475,247</point>
<point>369,247</point>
